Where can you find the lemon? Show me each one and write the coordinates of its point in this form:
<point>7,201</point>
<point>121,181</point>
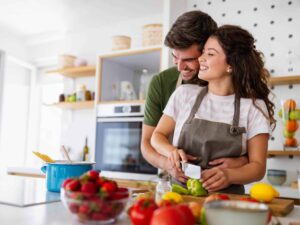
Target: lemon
<point>263,192</point>
<point>173,196</point>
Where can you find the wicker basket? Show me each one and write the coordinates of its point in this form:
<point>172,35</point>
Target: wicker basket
<point>65,61</point>
<point>120,42</point>
<point>152,34</point>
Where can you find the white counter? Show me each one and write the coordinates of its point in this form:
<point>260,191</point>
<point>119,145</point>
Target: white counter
<point>56,214</point>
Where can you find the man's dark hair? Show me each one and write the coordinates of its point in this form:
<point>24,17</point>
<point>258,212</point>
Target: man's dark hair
<point>193,27</point>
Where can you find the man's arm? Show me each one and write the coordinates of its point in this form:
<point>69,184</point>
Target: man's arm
<point>149,153</point>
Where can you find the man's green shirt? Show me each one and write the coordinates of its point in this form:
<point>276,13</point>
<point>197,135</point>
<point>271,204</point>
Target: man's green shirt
<point>160,89</point>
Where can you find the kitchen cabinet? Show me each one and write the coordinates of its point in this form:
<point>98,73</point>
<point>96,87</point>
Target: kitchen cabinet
<point>115,69</point>
<point>75,72</point>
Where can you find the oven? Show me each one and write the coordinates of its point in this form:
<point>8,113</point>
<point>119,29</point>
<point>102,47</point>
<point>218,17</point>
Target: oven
<point>118,139</point>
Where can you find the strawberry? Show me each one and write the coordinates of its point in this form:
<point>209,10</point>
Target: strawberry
<point>93,175</point>
<point>84,209</point>
<point>73,185</point>
<point>99,216</point>
<point>73,207</point>
<point>109,186</point>
<point>122,189</point>
<point>118,195</point>
<point>66,181</point>
<point>100,181</point>
<point>88,188</point>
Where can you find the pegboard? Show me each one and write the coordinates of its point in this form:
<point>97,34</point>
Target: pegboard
<point>275,25</point>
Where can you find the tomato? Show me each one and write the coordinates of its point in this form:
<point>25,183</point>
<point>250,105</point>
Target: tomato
<point>248,199</point>
<point>177,214</point>
<point>141,211</point>
<point>216,196</point>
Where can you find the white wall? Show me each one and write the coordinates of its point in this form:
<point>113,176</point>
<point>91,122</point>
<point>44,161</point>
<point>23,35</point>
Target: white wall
<point>87,44</point>
<point>275,25</point>
<point>13,45</point>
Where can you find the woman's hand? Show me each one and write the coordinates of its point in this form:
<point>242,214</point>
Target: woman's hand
<point>176,156</point>
<point>174,171</point>
<point>215,179</point>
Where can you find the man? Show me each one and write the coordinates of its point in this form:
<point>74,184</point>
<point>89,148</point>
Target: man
<point>186,39</point>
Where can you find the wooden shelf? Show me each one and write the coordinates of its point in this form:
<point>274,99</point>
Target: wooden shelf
<point>284,80</point>
<point>272,153</point>
<point>122,102</point>
<point>75,72</point>
<point>75,105</point>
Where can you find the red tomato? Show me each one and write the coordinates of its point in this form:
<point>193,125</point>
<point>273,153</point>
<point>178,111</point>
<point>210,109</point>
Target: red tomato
<point>248,199</point>
<point>141,211</point>
<point>177,214</point>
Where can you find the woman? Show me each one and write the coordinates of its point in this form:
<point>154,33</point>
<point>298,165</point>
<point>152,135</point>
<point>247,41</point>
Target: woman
<point>230,117</point>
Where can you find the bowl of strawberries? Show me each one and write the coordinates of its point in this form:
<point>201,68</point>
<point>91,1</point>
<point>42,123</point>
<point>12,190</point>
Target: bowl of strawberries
<point>94,199</point>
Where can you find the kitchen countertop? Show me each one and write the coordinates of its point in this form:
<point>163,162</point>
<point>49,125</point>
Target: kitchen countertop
<point>56,214</point>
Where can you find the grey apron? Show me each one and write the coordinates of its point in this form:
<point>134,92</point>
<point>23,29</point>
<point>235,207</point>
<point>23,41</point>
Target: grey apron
<point>210,140</point>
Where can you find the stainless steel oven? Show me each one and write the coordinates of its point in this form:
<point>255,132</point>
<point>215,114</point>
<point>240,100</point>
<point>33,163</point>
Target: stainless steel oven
<point>118,139</point>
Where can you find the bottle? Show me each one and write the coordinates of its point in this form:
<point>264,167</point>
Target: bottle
<point>80,92</point>
<point>163,185</point>
<point>144,82</point>
<point>85,151</point>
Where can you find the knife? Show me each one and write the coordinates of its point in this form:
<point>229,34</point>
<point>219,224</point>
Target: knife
<point>191,170</point>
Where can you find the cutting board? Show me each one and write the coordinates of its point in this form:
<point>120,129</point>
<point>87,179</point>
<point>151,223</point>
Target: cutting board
<point>278,206</point>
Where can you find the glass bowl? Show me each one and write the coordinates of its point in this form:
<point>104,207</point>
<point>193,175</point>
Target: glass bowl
<point>94,208</point>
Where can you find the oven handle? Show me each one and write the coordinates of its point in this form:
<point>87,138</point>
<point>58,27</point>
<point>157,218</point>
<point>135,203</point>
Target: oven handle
<point>121,119</point>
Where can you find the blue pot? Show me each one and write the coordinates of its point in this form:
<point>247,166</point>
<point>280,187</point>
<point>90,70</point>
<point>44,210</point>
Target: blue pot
<point>58,171</point>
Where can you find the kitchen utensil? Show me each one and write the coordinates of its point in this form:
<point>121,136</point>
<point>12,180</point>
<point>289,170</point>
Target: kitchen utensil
<point>191,170</point>
<point>56,172</point>
<point>242,212</point>
<point>44,157</point>
<point>280,207</point>
<point>65,153</point>
<point>276,177</point>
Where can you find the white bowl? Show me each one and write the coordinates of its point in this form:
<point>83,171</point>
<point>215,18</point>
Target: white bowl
<point>236,212</point>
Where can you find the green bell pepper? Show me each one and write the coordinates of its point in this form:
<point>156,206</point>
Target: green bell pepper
<point>195,187</point>
<point>179,189</point>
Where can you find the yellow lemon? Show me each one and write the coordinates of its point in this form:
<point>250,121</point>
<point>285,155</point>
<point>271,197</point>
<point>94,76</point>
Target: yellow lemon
<point>263,192</point>
<point>173,196</point>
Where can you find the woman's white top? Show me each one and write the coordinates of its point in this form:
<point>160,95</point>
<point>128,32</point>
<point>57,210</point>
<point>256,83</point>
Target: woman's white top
<point>216,108</point>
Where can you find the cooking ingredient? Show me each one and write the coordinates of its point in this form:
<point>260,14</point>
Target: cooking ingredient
<point>291,142</point>
<point>179,189</point>
<point>263,192</point>
<point>247,199</point>
<point>295,114</point>
<point>216,196</point>
<point>196,207</point>
<point>195,187</point>
<point>166,203</point>
<point>291,125</point>
<point>203,217</point>
<point>289,104</point>
<point>141,211</point>
<point>44,157</point>
<point>287,134</point>
<point>177,214</point>
<point>173,196</point>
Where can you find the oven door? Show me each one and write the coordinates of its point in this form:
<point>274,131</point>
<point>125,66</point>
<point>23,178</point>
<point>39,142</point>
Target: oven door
<point>118,142</point>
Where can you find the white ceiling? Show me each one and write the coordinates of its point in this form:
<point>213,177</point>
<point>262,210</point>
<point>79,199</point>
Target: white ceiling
<point>28,18</point>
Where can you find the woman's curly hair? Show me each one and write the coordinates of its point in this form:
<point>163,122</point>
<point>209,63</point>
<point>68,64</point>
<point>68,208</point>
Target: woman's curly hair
<point>249,76</point>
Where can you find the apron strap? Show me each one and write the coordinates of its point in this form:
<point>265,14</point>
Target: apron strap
<point>234,128</point>
<point>199,99</point>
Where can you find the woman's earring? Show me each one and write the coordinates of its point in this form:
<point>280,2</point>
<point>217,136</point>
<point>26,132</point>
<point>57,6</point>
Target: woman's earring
<point>229,70</point>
